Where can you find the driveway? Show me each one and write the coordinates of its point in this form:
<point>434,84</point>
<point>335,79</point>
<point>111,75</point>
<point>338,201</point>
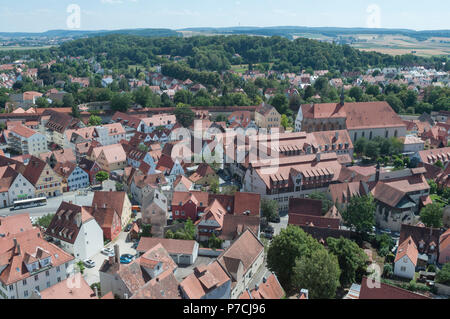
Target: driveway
<point>281,225</point>
<point>92,275</point>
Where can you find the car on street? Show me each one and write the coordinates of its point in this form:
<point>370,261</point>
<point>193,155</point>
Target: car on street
<point>126,259</point>
<point>89,263</point>
<point>108,251</point>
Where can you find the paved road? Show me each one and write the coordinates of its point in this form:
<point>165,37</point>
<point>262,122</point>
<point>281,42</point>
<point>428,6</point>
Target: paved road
<point>52,204</point>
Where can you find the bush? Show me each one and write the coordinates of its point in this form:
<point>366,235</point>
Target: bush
<point>387,270</point>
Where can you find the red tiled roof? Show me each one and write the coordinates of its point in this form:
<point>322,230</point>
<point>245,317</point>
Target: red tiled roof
<point>64,289</point>
<point>204,280</point>
<point>407,248</point>
<point>386,292</point>
<point>304,206</point>
<point>173,246</point>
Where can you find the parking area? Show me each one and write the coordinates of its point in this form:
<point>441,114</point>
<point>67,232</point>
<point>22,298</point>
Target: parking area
<point>91,275</point>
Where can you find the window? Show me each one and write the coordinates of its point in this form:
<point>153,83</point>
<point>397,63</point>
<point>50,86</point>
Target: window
<point>25,293</point>
<point>58,269</point>
<point>403,268</point>
<point>48,284</point>
<point>47,273</point>
<point>24,282</point>
<point>36,278</point>
<point>59,279</point>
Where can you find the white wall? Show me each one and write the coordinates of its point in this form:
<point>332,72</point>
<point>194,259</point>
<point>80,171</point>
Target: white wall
<point>89,241</point>
<point>409,269</point>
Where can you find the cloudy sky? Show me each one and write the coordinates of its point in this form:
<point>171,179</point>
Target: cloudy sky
<point>43,15</point>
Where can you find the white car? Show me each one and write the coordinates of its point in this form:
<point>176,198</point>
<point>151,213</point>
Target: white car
<point>89,263</point>
<point>108,251</point>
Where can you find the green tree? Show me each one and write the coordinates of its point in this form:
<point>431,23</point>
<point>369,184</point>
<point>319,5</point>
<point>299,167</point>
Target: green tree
<point>68,100</point>
<point>352,259</point>
<point>185,116</point>
<point>360,145</point>
<point>285,121</point>
<point>95,120</point>
<point>42,102</point>
<point>214,242</point>
<point>431,215</point>
<point>269,209</point>
<point>356,93</point>
<point>443,276</point>
<point>326,202</point>
<point>372,150</point>
<point>44,221</point>
<point>388,271</point>
<point>439,164</point>
<point>319,273</point>
<point>187,232</point>
<point>80,266</point>
<point>121,102</point>
<point>146,230</point>
<point>360,213</point>
<point>281,103</point>
<point>75,111</point>
<point>290,244</point>
<point>101,176</point>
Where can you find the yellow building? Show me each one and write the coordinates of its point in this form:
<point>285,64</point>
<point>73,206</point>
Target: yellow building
<point>110,158</point>
<point>266,116</point>
<point>43,177</point>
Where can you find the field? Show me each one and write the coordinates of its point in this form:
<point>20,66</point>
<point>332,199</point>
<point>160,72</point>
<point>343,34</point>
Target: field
<point>390,44</point>
<point>10,48</point>
<point>395,45</point>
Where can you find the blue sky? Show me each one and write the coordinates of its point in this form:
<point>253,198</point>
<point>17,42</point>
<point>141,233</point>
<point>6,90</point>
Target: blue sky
<point>42,15</point>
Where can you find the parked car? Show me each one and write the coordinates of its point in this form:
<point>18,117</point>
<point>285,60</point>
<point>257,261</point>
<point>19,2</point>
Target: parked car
<point>268,236</point>
<point>89,263</point>
<point>126,259</point>
<point>135,245</point>
<point>269,229</point>
<point>276,220</point>
<point>108,251</point>
<point>128,228</point>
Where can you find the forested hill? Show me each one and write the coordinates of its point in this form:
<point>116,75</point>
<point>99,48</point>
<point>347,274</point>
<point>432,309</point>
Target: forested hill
<point>217,53</point>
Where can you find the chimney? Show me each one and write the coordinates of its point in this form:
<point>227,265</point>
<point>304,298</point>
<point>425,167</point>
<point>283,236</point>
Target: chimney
<point>96,291</point>
<point>78,219</point>
<point>318,157</point>
<point>18,250</point>
<point>117,253</point>
<point>112,260</point>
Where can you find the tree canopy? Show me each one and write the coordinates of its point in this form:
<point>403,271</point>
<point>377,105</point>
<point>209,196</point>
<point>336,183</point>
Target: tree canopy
<point>319,273</point>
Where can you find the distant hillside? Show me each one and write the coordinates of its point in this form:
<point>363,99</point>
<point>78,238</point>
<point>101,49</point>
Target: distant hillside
<point>80,34</point>
<point>290,32</point>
